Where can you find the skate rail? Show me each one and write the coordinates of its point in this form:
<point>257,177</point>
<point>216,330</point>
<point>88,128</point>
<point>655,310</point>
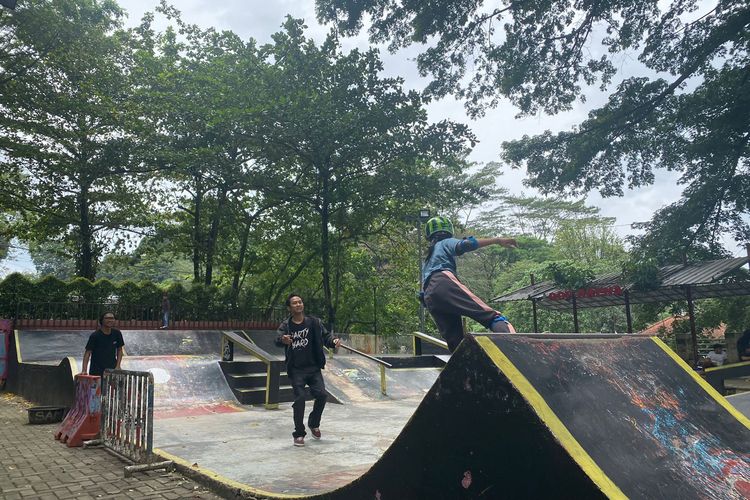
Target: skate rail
<point>419,337</point>
<point>381,364</point>
<point>273,366</point>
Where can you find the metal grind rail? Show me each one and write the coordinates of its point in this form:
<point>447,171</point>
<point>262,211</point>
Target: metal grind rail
<point>382,364</point>
<point>273,366</point>
<point>419,336</point>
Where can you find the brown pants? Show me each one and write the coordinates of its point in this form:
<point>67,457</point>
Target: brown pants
<point>448,299</point>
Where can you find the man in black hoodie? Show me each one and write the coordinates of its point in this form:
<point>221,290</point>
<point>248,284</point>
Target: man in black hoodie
<point>304,338</point>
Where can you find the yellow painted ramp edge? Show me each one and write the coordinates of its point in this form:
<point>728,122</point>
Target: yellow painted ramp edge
<point>705,385</point>
<point>724,367</point>
<point>214,477</point>
<point>545,413</point>
<point>18,346</point>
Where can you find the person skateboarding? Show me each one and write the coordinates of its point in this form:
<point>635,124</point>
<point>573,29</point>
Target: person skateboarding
<point>444,295</point>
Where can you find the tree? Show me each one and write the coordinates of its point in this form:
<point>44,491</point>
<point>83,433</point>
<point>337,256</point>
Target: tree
<point>536,216</point>
<point>32,20</point>
<point>152,260</point>
<point>196,90</point>
<point>64,131</point>
<point>577,244</point>
<point>692,117</point>
<point>353,146</point>
<point>52,258</point>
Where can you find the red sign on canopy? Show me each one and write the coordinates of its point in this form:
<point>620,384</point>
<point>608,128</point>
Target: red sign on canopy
<point>587,293</point>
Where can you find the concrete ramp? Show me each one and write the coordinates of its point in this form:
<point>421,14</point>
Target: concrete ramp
<point>741,401</point>
<point>352,379</point>
<point>38,346</point>
<point>186,385</point>
<point>517,416</point>
<point>187,377</point>
<point>53,345</point>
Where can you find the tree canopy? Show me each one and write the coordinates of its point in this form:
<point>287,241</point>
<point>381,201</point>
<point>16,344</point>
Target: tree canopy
<point>64,129</point>
<point>241,172</point>
<point>690,115</point>
<point>355,149</point>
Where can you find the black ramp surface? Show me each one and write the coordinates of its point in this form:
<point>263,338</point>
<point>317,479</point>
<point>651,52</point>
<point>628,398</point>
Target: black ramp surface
<point>472,437</point>
<point>643,418</point>
<point>38,345</point>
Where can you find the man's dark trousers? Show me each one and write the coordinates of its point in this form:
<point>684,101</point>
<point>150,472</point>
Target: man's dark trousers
<point>313,378</point>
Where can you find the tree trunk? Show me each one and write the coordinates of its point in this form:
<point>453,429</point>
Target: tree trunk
<point>240,264</point>
<point>279,289</point>
<point>213,234</point>
<point>85,259</point>
<point>325,251</point>
<point>197,243</point>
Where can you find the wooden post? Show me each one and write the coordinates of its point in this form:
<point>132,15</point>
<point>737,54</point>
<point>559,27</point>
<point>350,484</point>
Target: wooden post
<point>627,311</point>
<point>691,315</point>
<point>533,307</point>
<point>575,314</point>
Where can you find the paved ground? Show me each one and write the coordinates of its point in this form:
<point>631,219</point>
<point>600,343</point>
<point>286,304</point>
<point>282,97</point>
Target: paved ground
<point>34,465</point>
<point>224,445</point>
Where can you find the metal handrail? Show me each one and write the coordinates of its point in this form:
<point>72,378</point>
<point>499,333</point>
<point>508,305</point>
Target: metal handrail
<point>371,358</point>
<point>247,346</point>
<point>430,339</point>
<point>273,366</point>
<point>382,365</point>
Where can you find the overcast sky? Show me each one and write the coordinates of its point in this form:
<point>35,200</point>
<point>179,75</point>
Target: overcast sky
<point>259,19</point>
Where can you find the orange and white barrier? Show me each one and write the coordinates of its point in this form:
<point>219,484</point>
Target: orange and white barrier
<point>83,420</point>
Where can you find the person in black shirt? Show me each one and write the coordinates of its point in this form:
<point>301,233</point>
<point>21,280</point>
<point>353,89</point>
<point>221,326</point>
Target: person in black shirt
<point>104,347</point>
<point>304,338</point>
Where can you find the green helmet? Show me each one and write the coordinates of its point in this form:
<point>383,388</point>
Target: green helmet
<point>437,224</point>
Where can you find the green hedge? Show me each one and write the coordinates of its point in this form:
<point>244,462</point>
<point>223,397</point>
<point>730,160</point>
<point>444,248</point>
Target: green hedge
<point>197,302</point>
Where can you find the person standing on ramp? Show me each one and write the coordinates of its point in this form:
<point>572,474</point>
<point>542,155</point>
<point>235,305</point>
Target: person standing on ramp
<point>303,338</point>
<point>444,295</point>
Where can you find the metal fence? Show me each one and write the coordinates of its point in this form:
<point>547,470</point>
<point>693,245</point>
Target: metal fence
<point>127,423</point>
<point>85,311</point>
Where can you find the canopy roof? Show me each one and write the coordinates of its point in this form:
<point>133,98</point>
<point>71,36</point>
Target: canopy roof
<point>707,279</point>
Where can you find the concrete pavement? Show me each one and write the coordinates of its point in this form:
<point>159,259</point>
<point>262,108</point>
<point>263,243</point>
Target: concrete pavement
<point>252,450</point>
<point>35,466</point>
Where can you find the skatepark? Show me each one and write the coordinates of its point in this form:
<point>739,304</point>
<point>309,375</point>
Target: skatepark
<point>508,416</point>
